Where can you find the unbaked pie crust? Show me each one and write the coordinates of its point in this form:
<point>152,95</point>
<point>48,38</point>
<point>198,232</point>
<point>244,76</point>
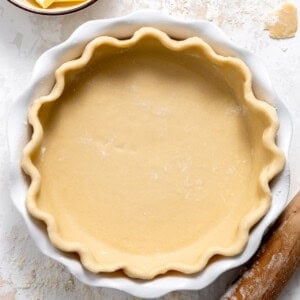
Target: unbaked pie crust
<point>151,154</point>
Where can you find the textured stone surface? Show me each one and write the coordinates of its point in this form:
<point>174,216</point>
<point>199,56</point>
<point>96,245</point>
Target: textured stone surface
<point>24,272</point>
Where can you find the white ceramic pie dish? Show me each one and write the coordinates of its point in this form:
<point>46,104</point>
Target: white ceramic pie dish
<point>41,83</point>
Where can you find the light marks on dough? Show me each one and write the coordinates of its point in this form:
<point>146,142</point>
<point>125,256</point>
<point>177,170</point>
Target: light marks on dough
<point>235,110</point>
<point>105,147</point>
<point>158,110</point>
<point>43,150</point>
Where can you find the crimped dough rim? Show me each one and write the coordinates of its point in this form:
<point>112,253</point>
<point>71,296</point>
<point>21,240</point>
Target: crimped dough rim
<point>133,265</point>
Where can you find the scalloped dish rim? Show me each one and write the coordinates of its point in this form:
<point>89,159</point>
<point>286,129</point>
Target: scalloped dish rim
<point>130,268</point>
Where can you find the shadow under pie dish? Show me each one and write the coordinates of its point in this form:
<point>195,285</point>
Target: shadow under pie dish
<point>150,155</point>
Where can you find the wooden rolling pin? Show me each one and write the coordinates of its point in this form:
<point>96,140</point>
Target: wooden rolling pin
<point>275,261</point>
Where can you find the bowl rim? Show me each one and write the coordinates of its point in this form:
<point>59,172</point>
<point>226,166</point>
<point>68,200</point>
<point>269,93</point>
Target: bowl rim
<point>42,81</point>
<point>40,11</point>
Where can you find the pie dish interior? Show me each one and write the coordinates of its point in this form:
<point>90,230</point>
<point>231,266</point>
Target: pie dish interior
<point>151,155</point>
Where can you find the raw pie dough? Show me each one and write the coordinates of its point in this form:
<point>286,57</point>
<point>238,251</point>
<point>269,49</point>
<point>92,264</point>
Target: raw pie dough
<point>283,22</point>
<point>151,155</point>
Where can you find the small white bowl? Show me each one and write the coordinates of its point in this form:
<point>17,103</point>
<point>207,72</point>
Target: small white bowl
<point>42,82</point>
<point>27,6</point>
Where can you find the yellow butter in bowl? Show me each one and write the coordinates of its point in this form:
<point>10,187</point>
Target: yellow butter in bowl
<point>47,3</point>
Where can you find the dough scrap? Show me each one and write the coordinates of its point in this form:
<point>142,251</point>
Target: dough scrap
<point>282,23</point>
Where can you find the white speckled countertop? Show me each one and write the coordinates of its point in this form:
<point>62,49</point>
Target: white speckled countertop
<point>24,272</point>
